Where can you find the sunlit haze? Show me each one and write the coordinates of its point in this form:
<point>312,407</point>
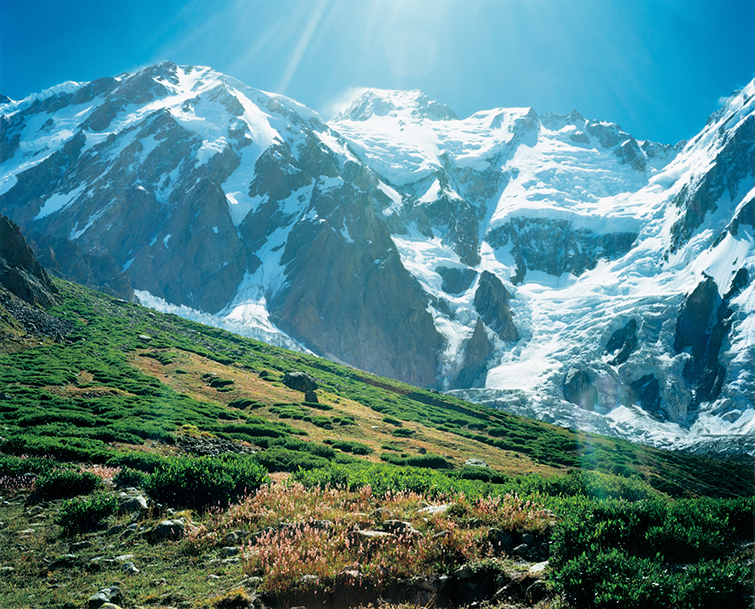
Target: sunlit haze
<point>657,68</point>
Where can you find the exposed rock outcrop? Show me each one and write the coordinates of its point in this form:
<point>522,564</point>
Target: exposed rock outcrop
<point>556,246</point>
<point>491,301</point>
<point>702,326</point>
<point>475,357</point>
<point>20,272</point>
<point>580,390</point>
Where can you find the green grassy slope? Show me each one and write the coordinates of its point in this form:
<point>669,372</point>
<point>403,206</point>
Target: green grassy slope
<point>126,378</point>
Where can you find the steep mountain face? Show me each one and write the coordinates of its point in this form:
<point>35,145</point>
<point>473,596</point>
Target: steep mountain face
<point>21,274</point>
<point>546,264</point>
<point>219,198</point>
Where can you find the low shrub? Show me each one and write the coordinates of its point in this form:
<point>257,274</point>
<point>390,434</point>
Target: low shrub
<point>486,474</point>
<point>128,477</point>
<point>83,514</point>
<point>144,462</point>
<point>64,483</point>
<point>202,483</point>
<point>356,448</point>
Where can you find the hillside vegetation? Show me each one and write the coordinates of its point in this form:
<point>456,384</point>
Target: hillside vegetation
<point>367,489</point>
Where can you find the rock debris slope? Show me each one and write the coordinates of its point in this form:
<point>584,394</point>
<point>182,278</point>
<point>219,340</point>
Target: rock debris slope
<point>547,264</point>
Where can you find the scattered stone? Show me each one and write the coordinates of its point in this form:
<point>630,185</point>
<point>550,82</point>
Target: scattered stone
<point>476,463</point>
<point>311,397</point>
<point>145,338</point>
<point>116,529</point>
<point>538,568</point>
<point>129,568</point>
<point>123,558</point>
<point>431,510</point>
<point>129,504</point>
<point>464,572</point>
<point>6,570</point>
<point>166,530</point>
<point>229,551</point>
<point>381,513</point>
<point>500,539</point>
<point>400,527</point>
<point>79,545</point>
<point>105,596</point>
<point>212,447</point>
<point>522,549</point>
<point>372,535</point>
<point>65,561</point>
<point>231,538</point>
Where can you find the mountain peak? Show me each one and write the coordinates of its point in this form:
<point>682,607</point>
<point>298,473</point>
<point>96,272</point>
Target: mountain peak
<point>386,102</point>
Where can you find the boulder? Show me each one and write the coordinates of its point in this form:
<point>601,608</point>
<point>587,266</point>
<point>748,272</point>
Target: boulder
<point>299,381</point>
<point>167,530</point>
<point>128,504</point>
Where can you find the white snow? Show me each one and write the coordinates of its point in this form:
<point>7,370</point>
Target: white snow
<point>58,202</point>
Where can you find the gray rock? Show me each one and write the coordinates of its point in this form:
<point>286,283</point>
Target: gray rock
<point>464,572</point>
<point>491,301</point>
<point>430,510</point>
<point>522,549</point>
<point>299,381</point>
<point>372,535</point>
<point>112,595</point>
<point>129,568</point>
<point>79,545</point>
<point>311,397</point>
<point>116,529</point>
<point>130,504</point>
<point>65,561</point>
<point>500,539</point>
<point>229,551</point>
<point>400,527</point>
<point>167,530</point>
<point>123,558</point>
<point>476,463</point>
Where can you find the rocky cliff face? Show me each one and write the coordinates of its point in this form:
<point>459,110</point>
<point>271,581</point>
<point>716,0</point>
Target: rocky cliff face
<point>20,272</point>
<point>549,264</point>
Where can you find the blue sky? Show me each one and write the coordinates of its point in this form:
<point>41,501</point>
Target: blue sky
<point>658,68</point>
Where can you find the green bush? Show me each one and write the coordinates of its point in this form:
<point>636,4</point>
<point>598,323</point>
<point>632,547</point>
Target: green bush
<point>356,448</point>
<point>11,465</point>
<point>64,483</point>
<point>279,459</point>
<point>486,474</point>
<point>129,477</point>
<point>201,483</point>
<point>144,462</point>
<point>83,514</point>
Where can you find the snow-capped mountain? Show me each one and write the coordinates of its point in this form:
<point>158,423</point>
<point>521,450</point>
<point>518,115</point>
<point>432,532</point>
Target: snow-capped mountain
<point>547,264</point>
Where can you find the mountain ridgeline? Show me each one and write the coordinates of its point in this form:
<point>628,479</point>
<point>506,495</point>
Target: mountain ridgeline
<point>550,265</point>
